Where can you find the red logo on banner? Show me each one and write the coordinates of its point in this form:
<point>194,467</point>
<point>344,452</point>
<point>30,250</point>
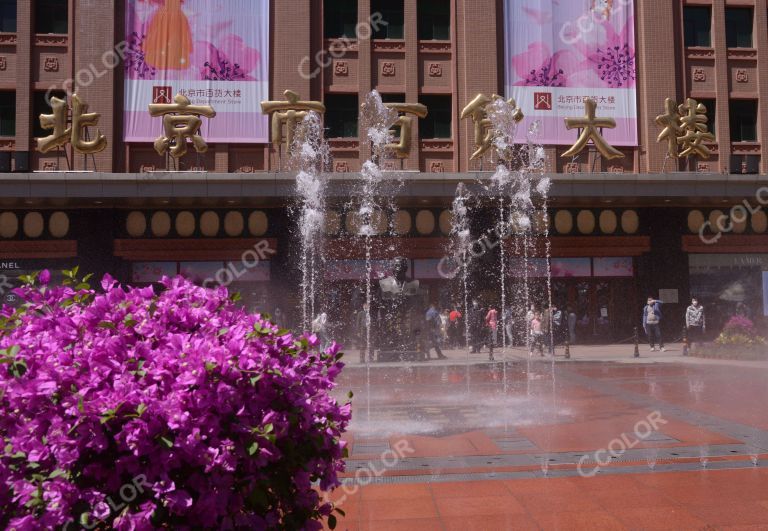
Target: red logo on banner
<point>162,95</point>
<point>542,101</point>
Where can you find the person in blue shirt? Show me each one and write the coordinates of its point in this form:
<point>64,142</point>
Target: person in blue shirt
<point>652,323</point>
<point>434,332</point>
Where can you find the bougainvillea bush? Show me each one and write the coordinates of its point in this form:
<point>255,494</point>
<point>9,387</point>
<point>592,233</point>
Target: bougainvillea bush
<point>142,408</point>
<point>740,331</point>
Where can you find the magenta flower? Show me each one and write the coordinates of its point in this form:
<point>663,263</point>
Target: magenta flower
<point>611,61</point>
<point>547,68</point>
<point>174,409</point>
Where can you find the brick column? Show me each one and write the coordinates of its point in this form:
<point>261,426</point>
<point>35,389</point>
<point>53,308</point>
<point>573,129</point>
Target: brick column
<point>761,43</point>
<point>659,74</point>
<point>722,84</point>
<point>24,38</point>
<point>477,59</point>
<point>365,58</point>
<point>94,73</point>
<point>290,43</point>
<point>411,33</point>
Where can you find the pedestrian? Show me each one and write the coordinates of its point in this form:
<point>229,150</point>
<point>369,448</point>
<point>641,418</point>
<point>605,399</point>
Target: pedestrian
<point>695,321</point>
<point>433,331</point>
<point>492,322</point>
<point>558,323</point>
<point>444,326</point>
<point>454,327</point>
<point>361,329</point>
<point>536,334</point>
<point>476,316</point>
<point>652,323</point>
<point>509,325</point>
<point>572,318</point>
<point>530,314</point>
<point>320,329</point>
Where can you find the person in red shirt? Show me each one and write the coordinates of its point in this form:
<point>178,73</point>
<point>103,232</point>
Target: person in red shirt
<point>454,327</point>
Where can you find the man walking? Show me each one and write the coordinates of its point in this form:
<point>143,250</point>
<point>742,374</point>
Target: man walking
<point>652,323</point>
<point>433,331</point>
<point>492,326</point>
<point>695,322</point>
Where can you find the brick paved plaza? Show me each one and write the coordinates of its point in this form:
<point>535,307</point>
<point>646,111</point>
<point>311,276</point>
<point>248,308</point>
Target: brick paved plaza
<point>455,446</point>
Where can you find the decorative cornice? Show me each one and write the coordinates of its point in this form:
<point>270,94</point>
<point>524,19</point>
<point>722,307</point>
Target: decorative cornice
<point>742,53</point>
<point>344,145</point>
<point>435,46</point>
<point>389,46</point>
<point>51,40</point>
<point>700,53</point>
<point>341,45</point>
<point>436,145</point>
<point>8,38</point>
<point>7,143</point>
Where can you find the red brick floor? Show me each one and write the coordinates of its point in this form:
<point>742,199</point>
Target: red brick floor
<point>459,413</point>
<point>708,500</point>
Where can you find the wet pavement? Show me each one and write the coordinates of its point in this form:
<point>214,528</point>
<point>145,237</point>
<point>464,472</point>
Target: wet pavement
<point>532,443</point>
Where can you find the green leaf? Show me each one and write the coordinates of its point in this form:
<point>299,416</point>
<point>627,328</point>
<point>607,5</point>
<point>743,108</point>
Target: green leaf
<point>107,324</point>
<point>332,522</point>
<point>340,511</point>
<point>57,473</point>
<point>253,448</point>
<point>236,297</point>
<point>18,368</point>
<point>141,409</point>
<point>210,366</point>
<point>222,331</point>
<point>166,442</point>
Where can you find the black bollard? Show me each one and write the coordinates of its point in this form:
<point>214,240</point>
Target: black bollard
<point>567,349</point>
<point>637,344</point>
<point>686,343</point>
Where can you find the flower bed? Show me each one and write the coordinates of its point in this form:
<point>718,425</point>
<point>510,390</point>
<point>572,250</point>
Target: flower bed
<point>739,340</point>
<point>133,409</point>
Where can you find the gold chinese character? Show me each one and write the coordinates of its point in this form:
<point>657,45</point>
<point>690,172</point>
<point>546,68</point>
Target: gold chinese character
<point>64,134</point>
<point>693,119</point>
<point>589,125</point>
<point>181,120</point>
<point>477,110</point>
<point>290,113</point>
<point>402,146</point>
<point>671,127</point>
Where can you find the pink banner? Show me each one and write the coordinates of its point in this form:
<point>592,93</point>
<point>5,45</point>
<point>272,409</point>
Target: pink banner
<point>558,53</point>
<point>215,52</point>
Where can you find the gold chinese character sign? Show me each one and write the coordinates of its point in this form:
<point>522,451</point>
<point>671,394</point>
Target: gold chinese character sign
<point>64,132</point>
<point>181,121</point>
<point>685,125</point>
<point>477,110</point>
<point>402,146</point>
<point>590,127</point>
<point>289,113</point>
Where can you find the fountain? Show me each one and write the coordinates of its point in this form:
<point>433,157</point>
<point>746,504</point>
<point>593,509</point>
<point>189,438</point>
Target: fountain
<point>309,157</point>
<point>376,120</point>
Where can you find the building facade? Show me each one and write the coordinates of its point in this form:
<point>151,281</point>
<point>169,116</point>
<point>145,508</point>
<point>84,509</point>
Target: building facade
<point>620,229</point>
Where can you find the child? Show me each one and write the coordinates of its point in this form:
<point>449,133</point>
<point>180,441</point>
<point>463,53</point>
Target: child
<point>537,334</point>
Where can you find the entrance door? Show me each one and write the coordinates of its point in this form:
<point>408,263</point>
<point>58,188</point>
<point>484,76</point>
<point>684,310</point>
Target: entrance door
<point>601,306</point>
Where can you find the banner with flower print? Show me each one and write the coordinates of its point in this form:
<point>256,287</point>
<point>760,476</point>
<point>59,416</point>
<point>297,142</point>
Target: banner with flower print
<point>214,52</point>
<point>560,52</point>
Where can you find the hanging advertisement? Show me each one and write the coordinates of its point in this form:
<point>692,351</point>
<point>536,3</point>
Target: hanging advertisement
<point>560,53</point>
<point>214,52</point>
